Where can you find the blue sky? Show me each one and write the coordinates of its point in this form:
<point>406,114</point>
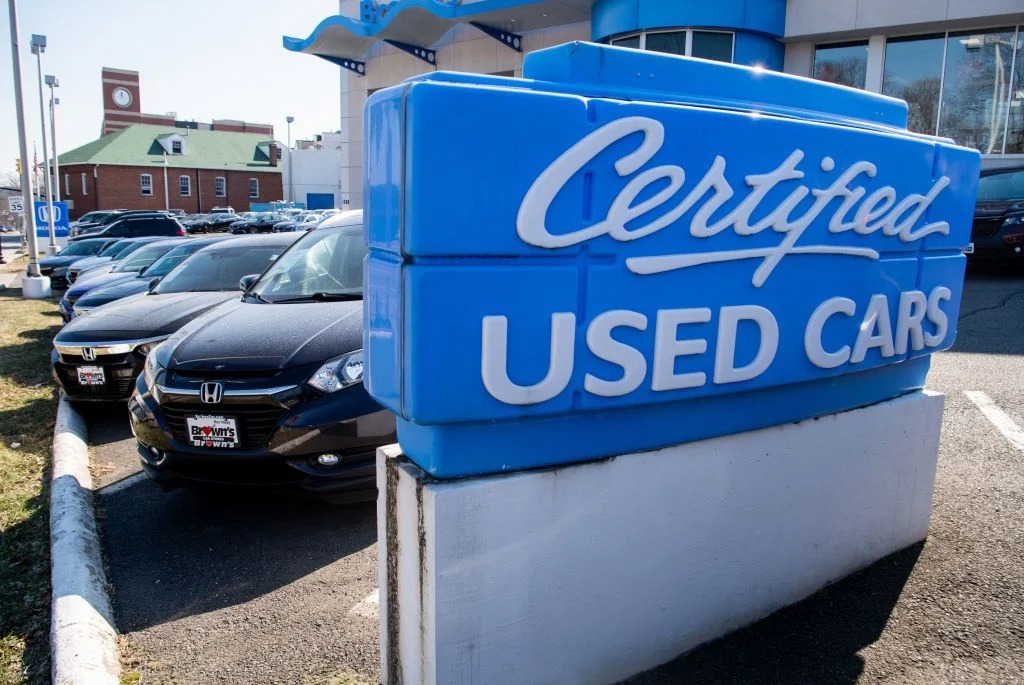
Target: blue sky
<point>203,59</point>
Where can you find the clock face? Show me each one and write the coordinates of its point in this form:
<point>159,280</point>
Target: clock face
<point>122,98</point>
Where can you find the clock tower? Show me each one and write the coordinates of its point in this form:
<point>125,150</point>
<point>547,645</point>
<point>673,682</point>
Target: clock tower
<point>121,106</point>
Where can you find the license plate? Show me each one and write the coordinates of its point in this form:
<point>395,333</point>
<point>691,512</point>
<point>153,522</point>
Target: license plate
<point>91,375</point>
<point>969,249</point>
<point>205,430</point>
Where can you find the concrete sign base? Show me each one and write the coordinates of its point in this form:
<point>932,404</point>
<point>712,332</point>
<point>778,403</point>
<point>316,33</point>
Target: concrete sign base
<point>594,572</point>
<point>36,287</point>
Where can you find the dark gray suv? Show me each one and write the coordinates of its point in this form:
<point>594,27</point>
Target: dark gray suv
<point>138,226</point>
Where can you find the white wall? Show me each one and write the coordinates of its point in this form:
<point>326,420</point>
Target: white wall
<point>592,573</point>
<point>812,18</point>
<point>315,171</point>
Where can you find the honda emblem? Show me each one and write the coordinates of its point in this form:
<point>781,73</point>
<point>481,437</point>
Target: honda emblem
<point>88,354</point>
<point>211,392</point>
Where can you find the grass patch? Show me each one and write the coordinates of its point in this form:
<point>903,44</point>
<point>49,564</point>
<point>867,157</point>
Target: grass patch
<point>28,405</point>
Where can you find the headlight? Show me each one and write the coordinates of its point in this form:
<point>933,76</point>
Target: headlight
<point>145,348</point>
<point>80,311</point>
<point>152,366</point>
<point>1014,220</point>
<point>339,373</point>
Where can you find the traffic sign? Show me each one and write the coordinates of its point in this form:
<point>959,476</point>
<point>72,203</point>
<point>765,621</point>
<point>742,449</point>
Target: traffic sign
<point>16,204</point>
<point>61,225</point>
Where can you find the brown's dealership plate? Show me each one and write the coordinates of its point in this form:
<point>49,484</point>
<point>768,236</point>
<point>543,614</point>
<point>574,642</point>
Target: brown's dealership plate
<point>91,375</point>
<point>969,249</point>
<point>207,430</point>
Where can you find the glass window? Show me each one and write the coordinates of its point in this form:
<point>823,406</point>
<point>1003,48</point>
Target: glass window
<point>67,184</point>
<point>175,147</point>
<point>320,265</point>
<point>671,42</point>
<point>628,42</point>
<point>146,184</point>
<point>85,188</point>
<point>1015,122</point>
<point>220,186</point>
<point>218,269</point>
<point>913,72</point>
<point>843,63</point>
<point>142,258</point>
<point>716,45</point>
<point>184,186</point>
<point>254,187</point>
<point>975,87</point>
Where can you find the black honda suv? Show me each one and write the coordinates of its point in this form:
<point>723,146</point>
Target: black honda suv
<point>998,230</point>
<point>268,390</point>
<point>137,225</point>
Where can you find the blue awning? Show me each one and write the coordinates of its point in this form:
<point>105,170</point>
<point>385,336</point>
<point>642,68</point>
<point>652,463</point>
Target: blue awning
<point>423,23</point>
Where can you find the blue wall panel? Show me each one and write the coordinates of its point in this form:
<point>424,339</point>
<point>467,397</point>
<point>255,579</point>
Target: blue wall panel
<point>752,49</point>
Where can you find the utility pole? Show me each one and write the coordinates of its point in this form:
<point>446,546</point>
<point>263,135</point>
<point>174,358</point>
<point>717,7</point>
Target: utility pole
<point>38,48</point>
<point>33,285</point>
<point>51,81</point>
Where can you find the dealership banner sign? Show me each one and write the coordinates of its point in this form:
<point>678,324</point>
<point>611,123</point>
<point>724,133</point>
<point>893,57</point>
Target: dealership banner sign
<point>626,250</point>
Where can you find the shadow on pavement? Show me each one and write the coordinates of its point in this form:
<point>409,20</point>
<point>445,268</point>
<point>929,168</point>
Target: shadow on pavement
<point>188,552</point>
<point>990,312</point>
<point>815,641</point>
<point>108,421</point>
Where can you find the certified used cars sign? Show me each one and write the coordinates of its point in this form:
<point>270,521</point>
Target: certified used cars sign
<point>634,250</point>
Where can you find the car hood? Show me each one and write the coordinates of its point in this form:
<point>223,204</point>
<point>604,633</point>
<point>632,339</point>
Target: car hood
<point>141,316</point>
<point>90,262</point>
<point>290,335</point>
<point>57,261</point>
<point>109,293</point>
<point>84,285</point>
<point>998,208</point>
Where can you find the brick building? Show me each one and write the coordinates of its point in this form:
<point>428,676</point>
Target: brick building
<point>203,169</point>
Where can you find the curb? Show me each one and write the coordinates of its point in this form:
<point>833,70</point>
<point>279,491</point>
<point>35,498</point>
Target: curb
<point>83,641</point>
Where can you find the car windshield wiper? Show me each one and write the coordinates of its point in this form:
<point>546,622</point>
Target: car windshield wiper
<point>322,297</point>
<point>258,297</point>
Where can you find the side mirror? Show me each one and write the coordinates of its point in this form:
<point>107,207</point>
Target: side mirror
<point>246,282</point>
<point>152,284</point>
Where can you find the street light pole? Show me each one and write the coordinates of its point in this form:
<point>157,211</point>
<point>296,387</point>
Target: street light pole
<point>34,285</point>
<point>291,181</point>
<point>38,48</point>
<point>52,82</point>
<point>167,195</point>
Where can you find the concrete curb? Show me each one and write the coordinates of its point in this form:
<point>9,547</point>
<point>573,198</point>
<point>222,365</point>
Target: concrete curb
<point>83,641</point>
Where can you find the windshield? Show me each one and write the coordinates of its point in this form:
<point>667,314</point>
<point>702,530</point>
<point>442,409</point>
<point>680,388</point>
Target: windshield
<point>142,258</point>
<point>219,269</point>
<point>115,249</point>
<point>1004,186</point>
<point>319,266</point>
<point>82,249</point>
<point>171,259</point>
<point>92,216</point>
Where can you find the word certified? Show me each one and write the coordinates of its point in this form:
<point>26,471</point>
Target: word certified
<point>889,326</point>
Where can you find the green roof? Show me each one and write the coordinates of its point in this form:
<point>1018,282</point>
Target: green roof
<point>138,145</point>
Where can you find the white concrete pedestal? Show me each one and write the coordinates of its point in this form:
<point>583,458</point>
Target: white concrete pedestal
<point>594,572</point>
<point>36,287</point>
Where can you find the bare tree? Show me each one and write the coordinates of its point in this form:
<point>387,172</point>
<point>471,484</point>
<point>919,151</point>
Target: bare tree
<point>10,180</point>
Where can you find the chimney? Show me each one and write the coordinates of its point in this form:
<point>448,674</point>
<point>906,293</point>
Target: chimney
<point>275,154</point>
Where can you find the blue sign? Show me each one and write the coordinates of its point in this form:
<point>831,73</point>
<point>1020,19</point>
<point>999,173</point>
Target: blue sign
<point>629,250</point>
<point>61,220</point>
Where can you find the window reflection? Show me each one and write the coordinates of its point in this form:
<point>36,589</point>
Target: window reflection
<point>913,72</point>
<point>672,42</point>
<point>712,45</point>
<point>975,86</point>
<point>1015,127</point>
<point>843,63</point>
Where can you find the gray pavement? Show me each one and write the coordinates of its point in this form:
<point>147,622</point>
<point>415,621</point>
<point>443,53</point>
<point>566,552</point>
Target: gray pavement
<point>243,588</point>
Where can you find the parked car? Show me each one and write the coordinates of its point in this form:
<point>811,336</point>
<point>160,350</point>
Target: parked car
<point>998,230</point>
<point>56,267</point>
<point>261,223</point>
<point>193,222</point>
<point>83,229</point>
<point>281,403</point>
<point>91,218</point>
<point>125,269</point>
<point>227,210</point>
<point>136,225</point>
<point>98,357</point>
<point>97,297</point>
<point>106,259</point>
<point>219,221</point>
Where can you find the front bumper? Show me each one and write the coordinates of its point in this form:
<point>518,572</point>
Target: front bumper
<point>119,371</point>
<point>281,433</point>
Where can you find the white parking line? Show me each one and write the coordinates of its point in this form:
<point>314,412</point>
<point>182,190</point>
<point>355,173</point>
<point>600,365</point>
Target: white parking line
<point>369,607</point>
<point>122,484</point>
<point>1000,419</point>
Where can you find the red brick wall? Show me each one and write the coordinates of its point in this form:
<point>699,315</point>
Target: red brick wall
<point>119,187</point>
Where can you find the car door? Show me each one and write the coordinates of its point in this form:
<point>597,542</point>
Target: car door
<point>119,229</point>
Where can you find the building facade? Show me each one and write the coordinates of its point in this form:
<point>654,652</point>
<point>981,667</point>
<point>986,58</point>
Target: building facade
<point>958,63</point>
<point>311,171</point>
<point>159,167</point>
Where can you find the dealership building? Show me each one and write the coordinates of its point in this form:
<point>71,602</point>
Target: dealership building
<point>959,64</point>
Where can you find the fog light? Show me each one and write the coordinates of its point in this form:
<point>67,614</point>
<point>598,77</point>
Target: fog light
<point>328,460</point>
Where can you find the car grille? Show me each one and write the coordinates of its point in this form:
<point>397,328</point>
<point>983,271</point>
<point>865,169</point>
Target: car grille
<point>985,228</point>
<point>256,422</point>
<point>119,385</point>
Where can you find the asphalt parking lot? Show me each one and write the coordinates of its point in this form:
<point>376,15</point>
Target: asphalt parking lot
<point>235,587</point>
